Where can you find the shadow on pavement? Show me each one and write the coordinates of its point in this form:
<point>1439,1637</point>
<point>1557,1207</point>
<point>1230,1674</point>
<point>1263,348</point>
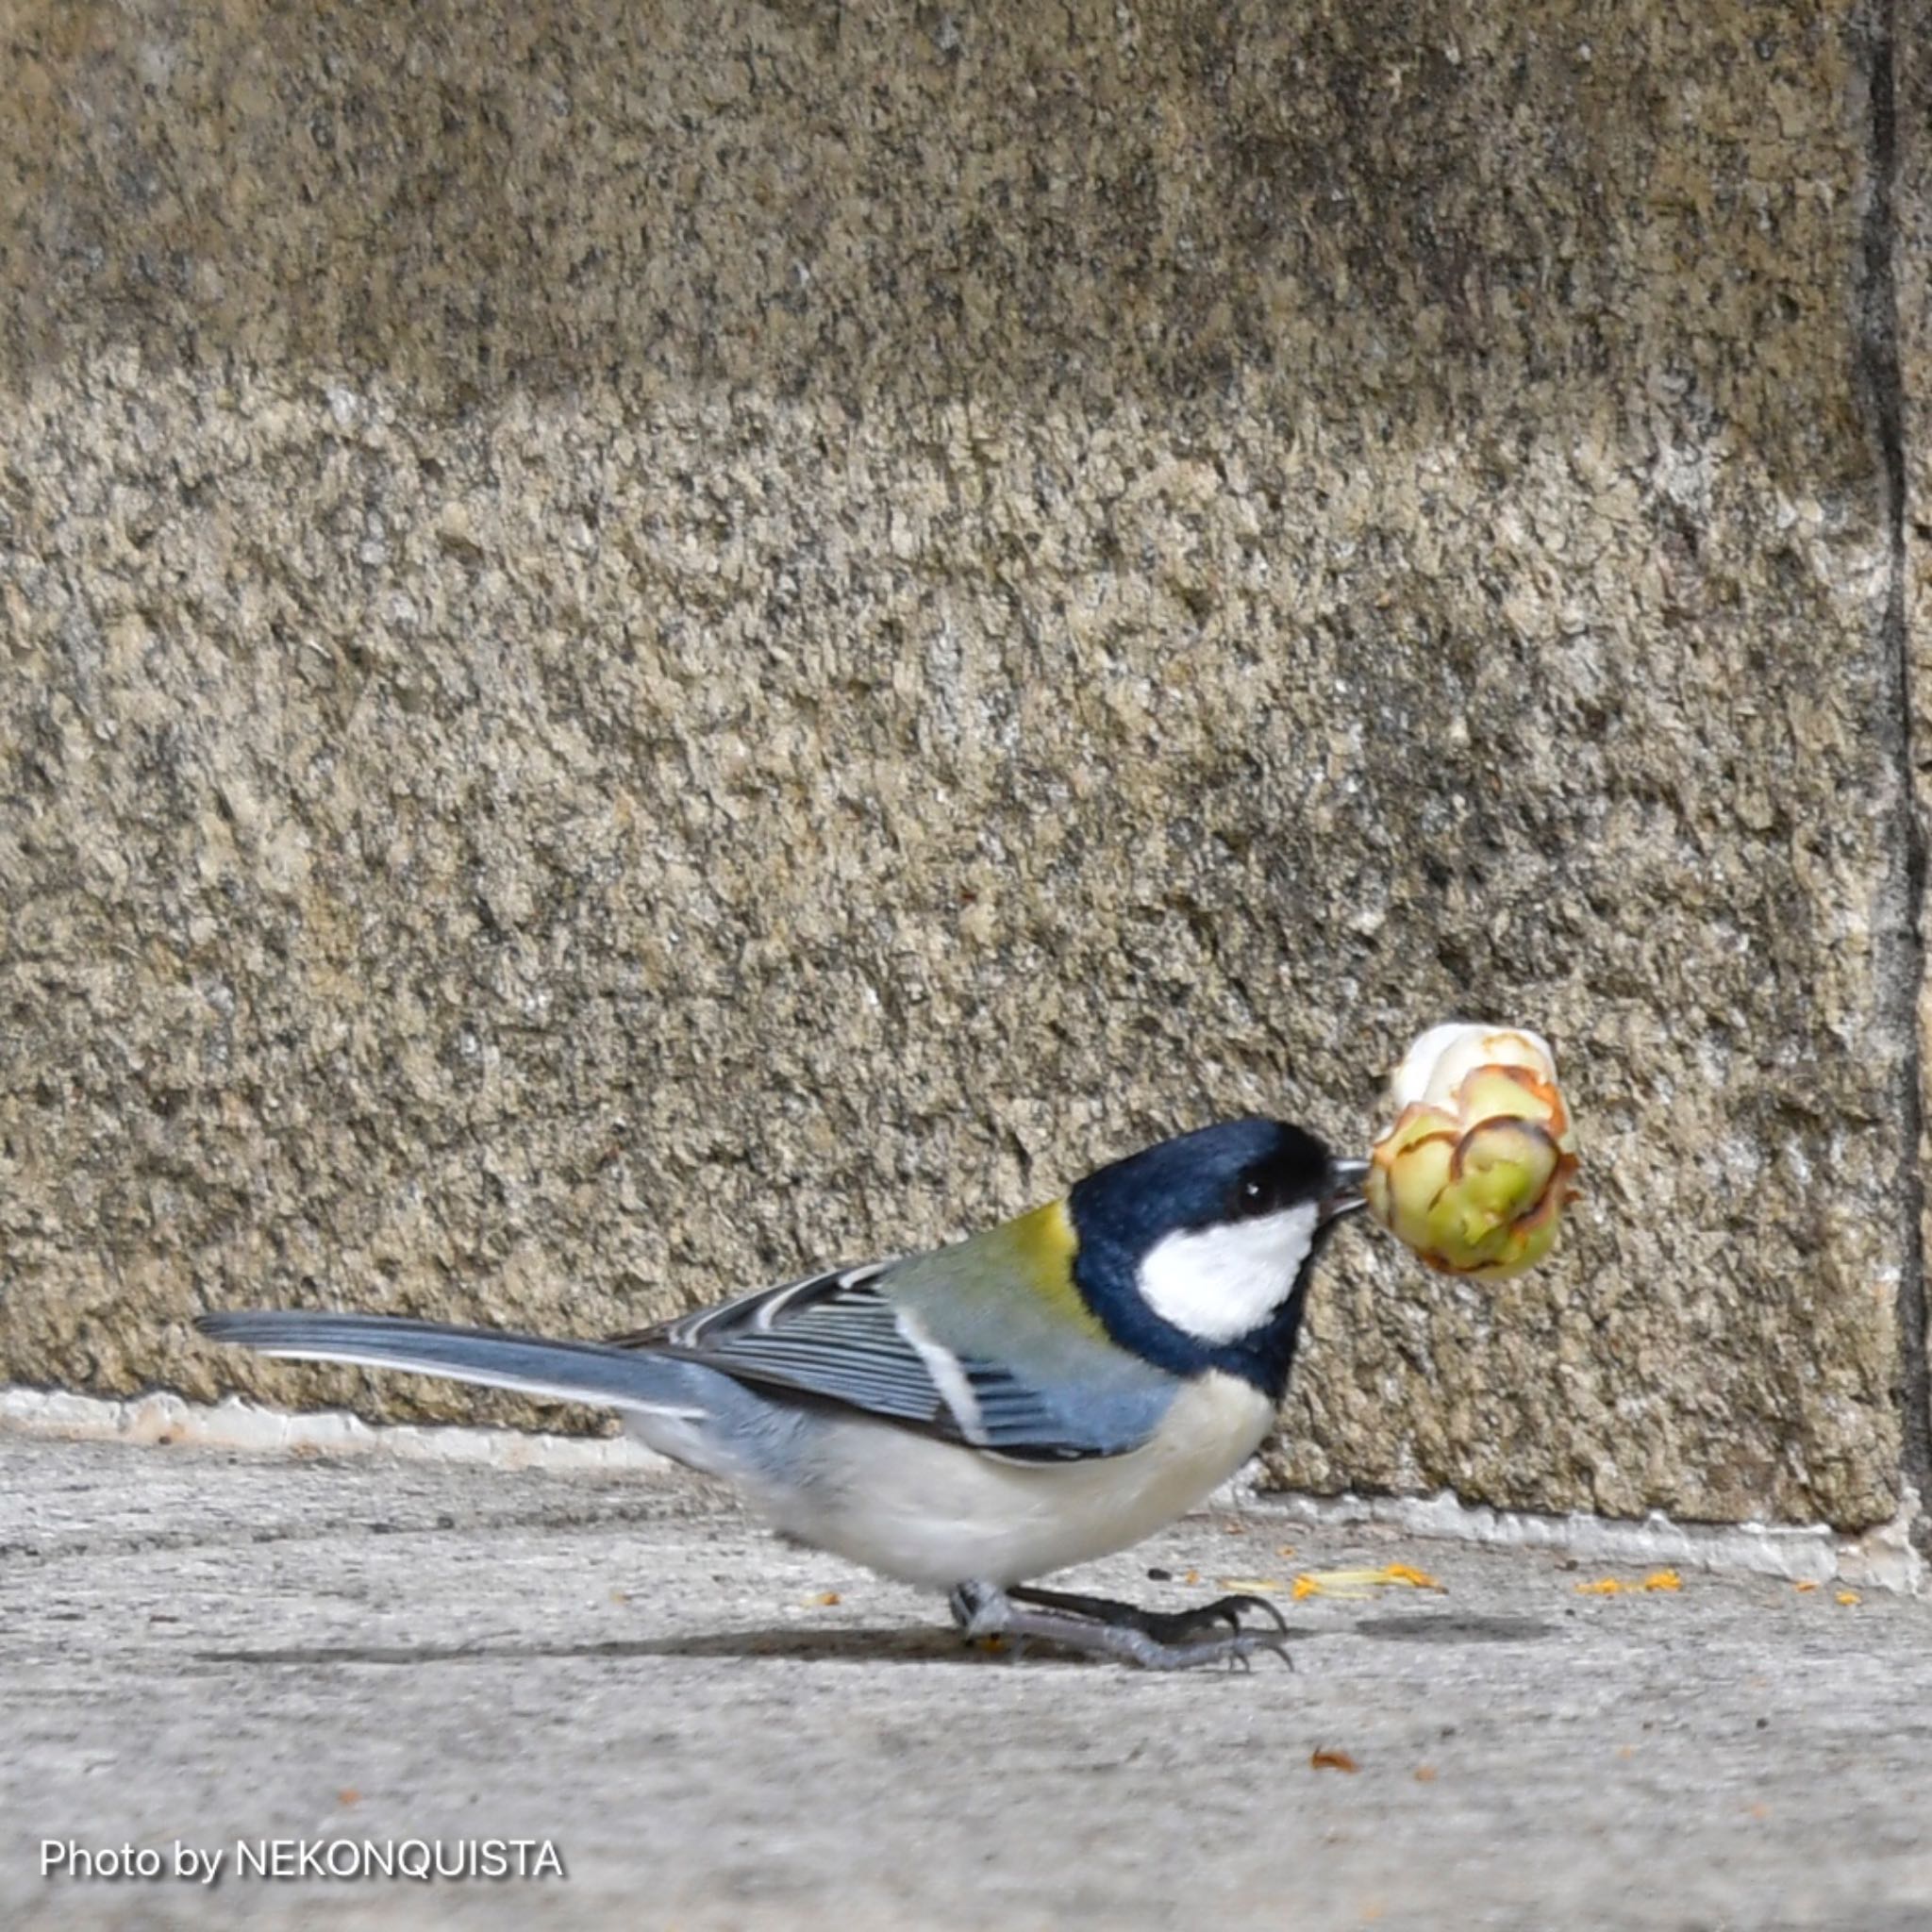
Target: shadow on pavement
<point>846,1645</point>
<point>1453,1629</point>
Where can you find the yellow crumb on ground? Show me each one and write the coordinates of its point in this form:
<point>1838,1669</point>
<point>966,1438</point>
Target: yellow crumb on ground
<point>1416,1579</point>
<point>1615,1585</point>
<point>1359,1583</point>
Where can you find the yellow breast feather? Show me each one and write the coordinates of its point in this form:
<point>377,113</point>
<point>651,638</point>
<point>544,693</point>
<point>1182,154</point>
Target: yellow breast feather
<point>1042,1244</point>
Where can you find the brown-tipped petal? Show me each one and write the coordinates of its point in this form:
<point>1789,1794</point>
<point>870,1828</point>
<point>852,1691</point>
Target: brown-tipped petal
<point>1474,1171</point>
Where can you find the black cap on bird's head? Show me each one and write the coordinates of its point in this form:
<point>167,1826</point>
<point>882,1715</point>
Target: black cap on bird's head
<point>1193,1253</point>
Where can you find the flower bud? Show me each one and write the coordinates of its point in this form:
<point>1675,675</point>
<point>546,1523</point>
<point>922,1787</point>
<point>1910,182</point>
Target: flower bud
<point>1478,1165</point>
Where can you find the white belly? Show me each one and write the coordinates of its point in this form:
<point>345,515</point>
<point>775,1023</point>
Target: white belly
<point>937,1514</point>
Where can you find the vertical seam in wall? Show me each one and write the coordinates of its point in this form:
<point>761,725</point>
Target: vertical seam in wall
<point>1882,380</point>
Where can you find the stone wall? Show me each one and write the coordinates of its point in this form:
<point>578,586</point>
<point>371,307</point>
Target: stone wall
<point>648,643</point>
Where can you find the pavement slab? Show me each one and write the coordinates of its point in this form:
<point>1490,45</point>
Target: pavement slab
<point>715,1729</point>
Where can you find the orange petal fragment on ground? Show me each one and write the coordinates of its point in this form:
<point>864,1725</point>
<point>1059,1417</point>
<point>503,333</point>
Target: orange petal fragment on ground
<point>1331,1760</point>
<point>1803,1589</point>
<point>1358,1585</point>
<point>1604,1586</point>
<point>1663,1579</point>
<point>1416,1579</point>
<point>1850,1596</point>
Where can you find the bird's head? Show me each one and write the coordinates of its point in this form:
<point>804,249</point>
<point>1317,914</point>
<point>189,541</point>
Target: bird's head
<point>1194,1253</point>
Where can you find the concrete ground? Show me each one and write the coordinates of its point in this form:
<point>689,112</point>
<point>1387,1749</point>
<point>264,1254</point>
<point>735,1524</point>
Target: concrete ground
<point>204,1648</point>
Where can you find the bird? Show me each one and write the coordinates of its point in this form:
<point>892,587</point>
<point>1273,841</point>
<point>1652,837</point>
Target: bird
<point>970,1419</point>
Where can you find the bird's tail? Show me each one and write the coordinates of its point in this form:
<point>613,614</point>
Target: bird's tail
<point>592,1372</point>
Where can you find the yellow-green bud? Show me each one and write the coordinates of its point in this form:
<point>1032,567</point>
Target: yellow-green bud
<point>1476,1169</point>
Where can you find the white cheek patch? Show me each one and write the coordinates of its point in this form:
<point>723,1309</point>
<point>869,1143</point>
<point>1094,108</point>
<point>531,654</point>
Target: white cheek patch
<point>1219,1283</point>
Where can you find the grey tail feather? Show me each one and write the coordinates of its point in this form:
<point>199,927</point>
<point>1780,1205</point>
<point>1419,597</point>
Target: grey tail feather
<point>497,1357</point>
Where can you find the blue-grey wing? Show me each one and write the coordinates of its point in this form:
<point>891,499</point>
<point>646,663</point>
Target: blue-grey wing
<point>843,1339</point>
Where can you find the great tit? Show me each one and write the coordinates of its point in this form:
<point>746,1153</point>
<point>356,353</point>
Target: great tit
<point>968,1419</point>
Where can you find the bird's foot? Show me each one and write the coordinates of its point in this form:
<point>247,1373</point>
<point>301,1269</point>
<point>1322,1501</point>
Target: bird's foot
<point>1098,1627</point>
<point>1164,1626</point>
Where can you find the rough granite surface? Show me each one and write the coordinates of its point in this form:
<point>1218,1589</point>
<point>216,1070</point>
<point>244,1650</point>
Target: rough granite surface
<point>1905,156</point>
<point>646,644</point>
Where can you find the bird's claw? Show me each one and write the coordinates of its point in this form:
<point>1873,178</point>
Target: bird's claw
<point>1100,1626</point>
<point>1173,1626</point>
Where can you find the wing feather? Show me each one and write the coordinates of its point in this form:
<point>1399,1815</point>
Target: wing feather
<point>842,1337</point>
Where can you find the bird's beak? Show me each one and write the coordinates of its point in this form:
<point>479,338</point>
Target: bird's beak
<point>1344,1195</point>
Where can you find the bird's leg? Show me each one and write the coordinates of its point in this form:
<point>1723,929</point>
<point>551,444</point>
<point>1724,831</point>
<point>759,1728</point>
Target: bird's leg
<point>1165,1627</point>
<point>983,1609</point>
